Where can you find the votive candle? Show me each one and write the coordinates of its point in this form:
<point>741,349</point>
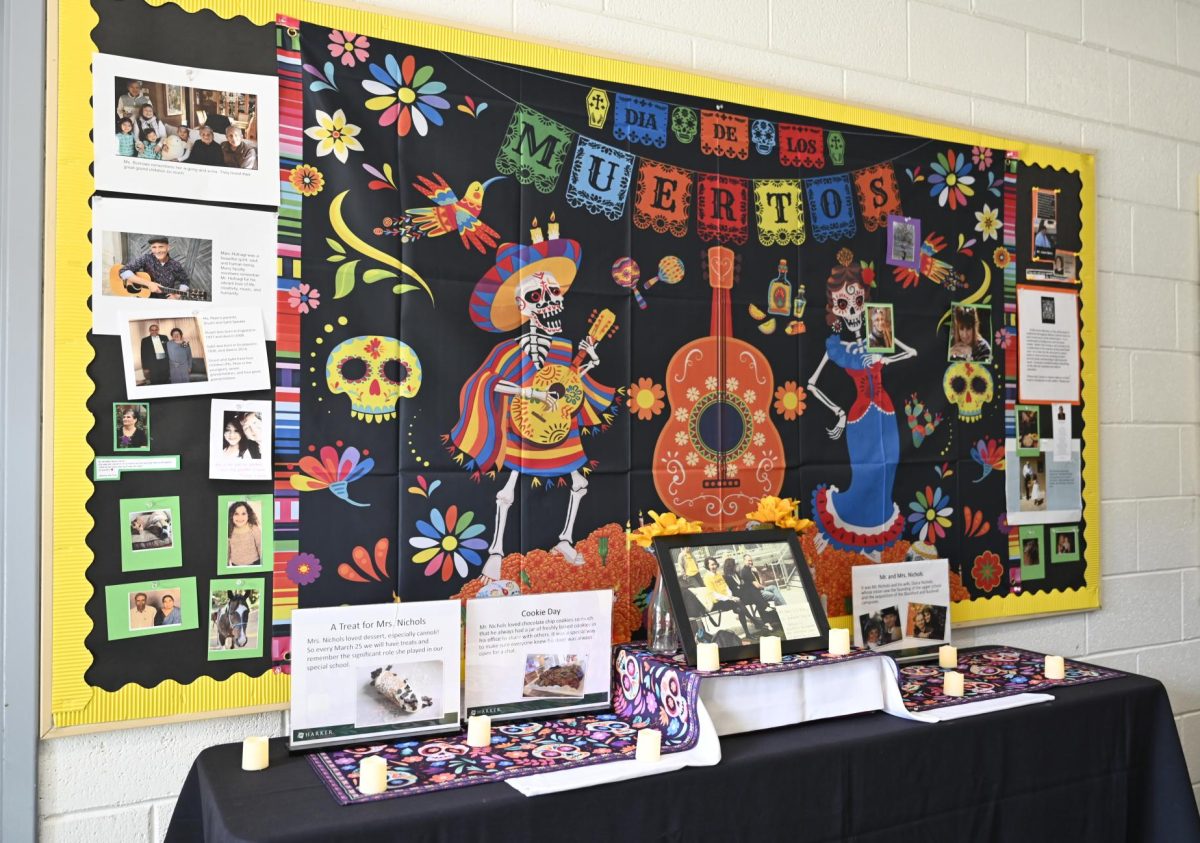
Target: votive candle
<point>254,753</point>
<point>479,730</point>
<point>649,745</point>
<point>770,649</point>
<point>839,642</point>
<point>948,656</point>
<point>372,775</point>
<point>1056,667</point>
<point>952,683</point>
<point>708,657</point>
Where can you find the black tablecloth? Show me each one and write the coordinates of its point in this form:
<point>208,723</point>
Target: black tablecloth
<point>1102,762</point>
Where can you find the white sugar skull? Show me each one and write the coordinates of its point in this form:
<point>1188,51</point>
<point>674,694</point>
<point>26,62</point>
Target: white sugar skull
<point>969,387</point>
<point>376,372</point>
<point>848,304</point>
<point>540,300</point>
<point>762,135</point>
<point>684,124</point>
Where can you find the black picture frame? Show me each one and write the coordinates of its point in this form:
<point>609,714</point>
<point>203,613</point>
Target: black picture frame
<point>788,570</point>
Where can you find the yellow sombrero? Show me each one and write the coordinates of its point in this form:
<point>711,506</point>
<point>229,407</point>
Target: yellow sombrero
<point>493,305</point>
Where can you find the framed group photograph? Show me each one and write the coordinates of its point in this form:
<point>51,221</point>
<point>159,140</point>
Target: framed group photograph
<point>733,588</point>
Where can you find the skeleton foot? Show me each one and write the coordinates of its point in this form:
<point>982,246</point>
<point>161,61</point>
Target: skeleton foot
<point>569,553</point>
<point>820,542</point>
<point>491,568</point>
<point>876,556</point>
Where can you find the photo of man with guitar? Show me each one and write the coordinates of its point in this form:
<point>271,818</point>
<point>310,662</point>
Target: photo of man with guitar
<point>525,407</point>
<point>155,274</point>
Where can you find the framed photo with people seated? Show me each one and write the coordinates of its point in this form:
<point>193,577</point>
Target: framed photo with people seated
<point>733,588</point>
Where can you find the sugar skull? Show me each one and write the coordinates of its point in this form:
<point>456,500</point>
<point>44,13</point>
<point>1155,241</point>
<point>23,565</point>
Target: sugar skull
<point>762,135</point>
<point>540,300</point>
<point>684,124</point>
<point>837,148</point>
<point>969,387</point>
<point>375,372</point>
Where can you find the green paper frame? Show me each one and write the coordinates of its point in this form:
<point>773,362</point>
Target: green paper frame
<point>242,584</point>
<point>1036,410</point>
<point>266,523</point>
<point>1055,532</point>
<point>116,605</point>
<point>1038,571</point>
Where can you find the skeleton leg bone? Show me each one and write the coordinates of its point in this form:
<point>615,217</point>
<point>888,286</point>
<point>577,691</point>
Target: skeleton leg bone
<point>504,501</point>
<point>566,545</point>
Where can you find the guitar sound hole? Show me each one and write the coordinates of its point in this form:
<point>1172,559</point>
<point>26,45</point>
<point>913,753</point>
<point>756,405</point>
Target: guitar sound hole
<point>721,427</point>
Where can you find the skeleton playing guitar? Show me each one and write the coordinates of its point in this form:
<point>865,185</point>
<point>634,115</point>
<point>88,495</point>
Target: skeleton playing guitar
<point>714,461</point>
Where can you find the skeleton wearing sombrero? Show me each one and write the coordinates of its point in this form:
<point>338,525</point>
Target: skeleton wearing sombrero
<point>521,381</point>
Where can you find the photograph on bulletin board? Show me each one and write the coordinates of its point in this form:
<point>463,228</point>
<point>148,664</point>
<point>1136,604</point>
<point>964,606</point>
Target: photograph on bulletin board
<point>527,310</point>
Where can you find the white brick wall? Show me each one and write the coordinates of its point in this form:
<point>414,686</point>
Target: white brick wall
<point>1117,76</point>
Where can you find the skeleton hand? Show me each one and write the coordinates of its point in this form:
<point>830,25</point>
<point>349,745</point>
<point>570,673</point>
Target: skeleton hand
<point>871,359</point>
<point>547,398</point>
<point>836,431</point>
<point>588,346</point>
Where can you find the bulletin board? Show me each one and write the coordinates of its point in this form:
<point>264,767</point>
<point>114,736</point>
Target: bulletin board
<point>522,298</point>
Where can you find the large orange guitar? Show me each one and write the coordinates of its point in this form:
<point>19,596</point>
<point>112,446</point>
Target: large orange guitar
<point>727,460</point>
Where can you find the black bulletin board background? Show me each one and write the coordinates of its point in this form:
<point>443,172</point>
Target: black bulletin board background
<point>177,425</point>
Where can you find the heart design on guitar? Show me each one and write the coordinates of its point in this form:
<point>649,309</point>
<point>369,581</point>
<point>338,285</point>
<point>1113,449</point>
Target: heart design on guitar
<point>718,452</point>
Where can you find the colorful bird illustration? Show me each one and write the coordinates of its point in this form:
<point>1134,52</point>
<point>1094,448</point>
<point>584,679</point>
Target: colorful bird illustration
<point>454,214</point>
<point>333,471</point>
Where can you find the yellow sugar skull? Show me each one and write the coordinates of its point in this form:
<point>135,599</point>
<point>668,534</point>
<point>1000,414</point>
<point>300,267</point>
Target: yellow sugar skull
<point>376,372</point>
<point>969,387</point>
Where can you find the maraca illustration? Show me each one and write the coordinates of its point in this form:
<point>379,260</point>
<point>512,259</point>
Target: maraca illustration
<point>626,273</point>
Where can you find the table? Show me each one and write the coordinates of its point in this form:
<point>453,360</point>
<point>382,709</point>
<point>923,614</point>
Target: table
<point>1102,762</point>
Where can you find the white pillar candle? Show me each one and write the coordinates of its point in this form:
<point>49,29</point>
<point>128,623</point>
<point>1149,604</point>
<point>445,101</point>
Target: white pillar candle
<point>649,745</point>
<point>948,656</point>
<point>254,753</point>
<point>479,730</point>
<point>372,775</point>
<point>839,642</point>
<point>1056,667</point>
<point>952,683</point>
<point>770,649</point>
<point>708,657</point>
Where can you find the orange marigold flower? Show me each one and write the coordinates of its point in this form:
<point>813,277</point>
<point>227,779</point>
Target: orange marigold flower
<point>646,398</point>
<point>1002,257</point>
<point>307,180</point>
<point>789,400</point>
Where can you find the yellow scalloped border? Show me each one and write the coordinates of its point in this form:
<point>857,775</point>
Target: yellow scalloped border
<point>73,704</point>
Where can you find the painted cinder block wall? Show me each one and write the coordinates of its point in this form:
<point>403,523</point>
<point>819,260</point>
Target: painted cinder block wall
<point>1119,77</point>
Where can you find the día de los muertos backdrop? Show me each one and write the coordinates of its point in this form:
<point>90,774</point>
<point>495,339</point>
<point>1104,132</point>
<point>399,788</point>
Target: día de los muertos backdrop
<point>528,297</point>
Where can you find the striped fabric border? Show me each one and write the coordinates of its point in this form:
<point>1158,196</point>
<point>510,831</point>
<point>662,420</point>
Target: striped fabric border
<point>285,593</point>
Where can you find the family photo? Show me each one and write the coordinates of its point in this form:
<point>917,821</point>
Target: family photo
<point>131,427</point>
<point>150,609</point>
<point>1033,483</point>
<point>240,444</point>
<point>970,326</point>
<point>167,351</point>
<point>245,536</point>
<point>926,621</point>
<point>159,121</point>
<point>733,594</point>
<point>881,627</point>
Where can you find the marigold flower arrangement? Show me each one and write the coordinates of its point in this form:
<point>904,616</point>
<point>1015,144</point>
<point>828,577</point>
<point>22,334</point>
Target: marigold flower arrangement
<point>666,524</point>
<point>779,512</point>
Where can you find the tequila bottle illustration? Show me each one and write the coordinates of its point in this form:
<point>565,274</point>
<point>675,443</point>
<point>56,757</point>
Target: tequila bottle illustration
<point>779,294</point>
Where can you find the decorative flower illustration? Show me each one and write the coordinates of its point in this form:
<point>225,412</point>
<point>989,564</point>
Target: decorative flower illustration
<point>930,514</point>
<point>681,437</point>
<point>758,439</point>
<point>681,414</point>
<point>750,396</point>
<point>424,488</point>
<point>987,571</point>
<point>303,569</point>
<point>666,524</point>
<point>307,180</point>
<point>760,417</point>
<point>406,94</point>
<point>1002,257</point>
<point>471,108</point>
<point>951,180</point>
<point>304,298</point>
<point>351,48</point>
<point>692,459</point>
<point>333,471</point>
<point>789,400</point>
<point>448,543</point>
<point>334,135</point>
<point>373,347</point>
<point>324,77</point>
<point>1005,337</point>
<point>981,157</point>
<point>748,459</point>
<point>710,471</point>
<point>692,394</point>
<point>646,399</point>
<point>990,455</point>
<point>988,222</point>
<point>731,384</point>
<point>366,567</point>
<point>974,524</point>
<point>710,383</point>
